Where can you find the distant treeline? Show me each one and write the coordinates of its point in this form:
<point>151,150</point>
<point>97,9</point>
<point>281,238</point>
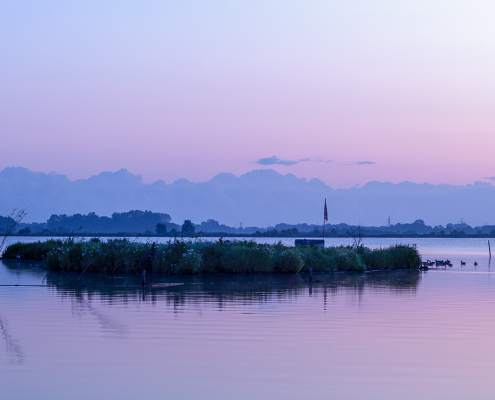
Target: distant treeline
<point>151,223</point>
<point>132,221</point>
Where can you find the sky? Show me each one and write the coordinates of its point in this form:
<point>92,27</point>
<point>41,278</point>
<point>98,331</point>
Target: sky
<point>347,92</point>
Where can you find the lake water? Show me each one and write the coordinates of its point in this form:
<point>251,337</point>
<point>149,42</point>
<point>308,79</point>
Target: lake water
<point>376,335</point>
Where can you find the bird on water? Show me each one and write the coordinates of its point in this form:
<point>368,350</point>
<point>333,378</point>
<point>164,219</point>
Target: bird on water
<point>475,263</point>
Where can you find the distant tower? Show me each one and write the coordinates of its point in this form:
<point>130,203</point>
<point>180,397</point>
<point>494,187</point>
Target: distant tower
<point>462,221</point>
<point>240,225</point>
<point>388,220</point>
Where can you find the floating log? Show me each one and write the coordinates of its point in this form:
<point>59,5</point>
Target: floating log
<point>162,285</point>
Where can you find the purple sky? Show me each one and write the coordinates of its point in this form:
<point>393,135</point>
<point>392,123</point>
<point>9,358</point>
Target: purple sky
<point>366,90</point>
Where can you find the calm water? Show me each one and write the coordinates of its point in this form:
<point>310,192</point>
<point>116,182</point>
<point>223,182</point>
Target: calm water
<point>395,335</point>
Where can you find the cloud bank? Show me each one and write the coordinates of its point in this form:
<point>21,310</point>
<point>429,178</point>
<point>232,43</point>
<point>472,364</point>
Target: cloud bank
<point>258,198</point>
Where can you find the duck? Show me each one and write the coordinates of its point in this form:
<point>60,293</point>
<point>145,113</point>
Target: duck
<point>475,263</point>
<point>463,262</point>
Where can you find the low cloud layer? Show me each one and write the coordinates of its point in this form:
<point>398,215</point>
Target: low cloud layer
<point>490,178</point>
<point>363,163</point>
<point>275,161</point>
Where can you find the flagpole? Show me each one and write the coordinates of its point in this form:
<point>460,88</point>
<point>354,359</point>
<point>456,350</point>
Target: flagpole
<point>323,229</point>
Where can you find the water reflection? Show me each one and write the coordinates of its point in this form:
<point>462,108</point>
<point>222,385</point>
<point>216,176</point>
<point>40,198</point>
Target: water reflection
<point>222,289</point>
<point>379,335</point>
<point>82,305</point>
<point>217,287</point>
<point>214,291</point>
<point>12,346</point>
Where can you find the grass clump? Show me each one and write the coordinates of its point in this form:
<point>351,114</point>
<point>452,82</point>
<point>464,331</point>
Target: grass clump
<point>394,257</point>
<point>30,251</point>
<point>222,256</point>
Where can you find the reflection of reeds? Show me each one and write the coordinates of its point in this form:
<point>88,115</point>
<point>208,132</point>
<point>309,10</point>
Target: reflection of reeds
<point>239,289</point>
<point>222,256</point>
<point>81,305</point>
<point>12,346</point>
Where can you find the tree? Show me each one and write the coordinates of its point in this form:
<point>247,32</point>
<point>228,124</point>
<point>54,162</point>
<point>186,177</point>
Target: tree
<point>188,228</point>
<point>13,220</point>
<point>131,221</point>
<point>161,229</point>
<point>357,236</point>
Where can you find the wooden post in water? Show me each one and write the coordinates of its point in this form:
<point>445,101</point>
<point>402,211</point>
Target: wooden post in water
<point>311,274</point>
<point>489,250</point>
<point>144,277</point>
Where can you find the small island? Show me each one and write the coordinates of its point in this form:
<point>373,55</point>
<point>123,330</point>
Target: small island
<point>179,256</point>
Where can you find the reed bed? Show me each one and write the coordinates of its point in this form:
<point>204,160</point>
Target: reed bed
<point>222,256</point>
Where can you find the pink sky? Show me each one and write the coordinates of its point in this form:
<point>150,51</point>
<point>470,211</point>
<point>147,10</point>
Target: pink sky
<point>175,90</point>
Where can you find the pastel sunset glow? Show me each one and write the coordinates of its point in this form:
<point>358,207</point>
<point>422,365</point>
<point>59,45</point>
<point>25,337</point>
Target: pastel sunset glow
<point>347,92</point>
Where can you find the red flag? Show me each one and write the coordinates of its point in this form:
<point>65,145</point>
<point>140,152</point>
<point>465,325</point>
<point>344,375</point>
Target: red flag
<point>325,212</point>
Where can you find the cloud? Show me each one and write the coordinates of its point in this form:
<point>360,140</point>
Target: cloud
<point>319,159</point>
<point>362,163</point>
<point>490,178</point>
<point>275,161</point>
